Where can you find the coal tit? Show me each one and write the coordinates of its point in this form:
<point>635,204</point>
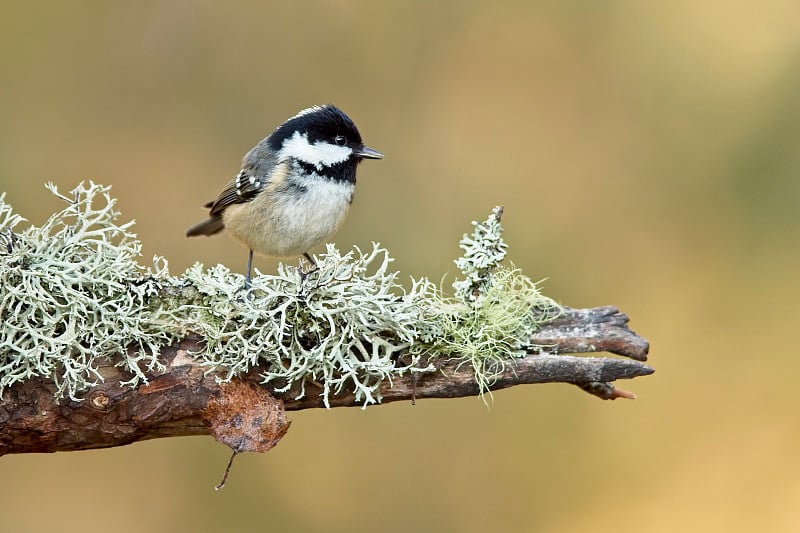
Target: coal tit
<point>295,186</point>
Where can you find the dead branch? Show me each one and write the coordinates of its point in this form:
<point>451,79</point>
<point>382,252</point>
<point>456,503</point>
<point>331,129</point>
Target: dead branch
<point>183,400</point>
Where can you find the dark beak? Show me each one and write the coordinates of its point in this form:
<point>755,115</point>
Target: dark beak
<point>368,153</point>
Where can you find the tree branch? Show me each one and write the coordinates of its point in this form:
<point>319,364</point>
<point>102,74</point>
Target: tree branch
<point>183,400</point>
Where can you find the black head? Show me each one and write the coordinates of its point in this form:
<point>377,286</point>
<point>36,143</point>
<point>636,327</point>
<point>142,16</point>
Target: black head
<point>323,139</point>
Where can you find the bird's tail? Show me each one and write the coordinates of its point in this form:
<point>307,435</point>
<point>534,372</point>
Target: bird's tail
<point>207,227</point>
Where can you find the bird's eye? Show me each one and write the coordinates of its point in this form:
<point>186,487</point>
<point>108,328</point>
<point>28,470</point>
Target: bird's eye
<point>340,140</point>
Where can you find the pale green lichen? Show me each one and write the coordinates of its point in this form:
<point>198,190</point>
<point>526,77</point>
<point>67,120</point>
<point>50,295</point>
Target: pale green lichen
<point>484,250</point>
<point>343,324</point>
<point>73,297</point>
<point>496,308</point>
<point>490,333</point>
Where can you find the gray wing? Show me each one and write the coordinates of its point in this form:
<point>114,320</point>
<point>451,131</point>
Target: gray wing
<point>257,167</point>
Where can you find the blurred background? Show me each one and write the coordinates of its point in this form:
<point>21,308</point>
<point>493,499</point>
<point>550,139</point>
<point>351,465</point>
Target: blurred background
<point>647,155</point>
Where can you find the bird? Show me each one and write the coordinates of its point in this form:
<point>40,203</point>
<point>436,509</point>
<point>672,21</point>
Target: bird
<point>295,186</point>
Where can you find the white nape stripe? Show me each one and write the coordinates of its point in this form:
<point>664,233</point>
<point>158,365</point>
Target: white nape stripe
<point>319,154</point>
<point>307,111</point>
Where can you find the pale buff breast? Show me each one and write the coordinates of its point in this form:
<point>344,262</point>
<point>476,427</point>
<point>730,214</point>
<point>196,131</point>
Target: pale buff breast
<point>288,221</point>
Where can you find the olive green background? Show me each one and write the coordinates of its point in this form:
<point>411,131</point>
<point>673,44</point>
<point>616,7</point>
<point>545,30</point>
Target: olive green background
<point>646,153</point>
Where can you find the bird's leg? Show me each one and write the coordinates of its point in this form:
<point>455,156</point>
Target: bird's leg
<point>314,267</point>
<point>249,269</point>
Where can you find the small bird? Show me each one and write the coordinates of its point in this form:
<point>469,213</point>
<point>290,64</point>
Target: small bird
<point>295,186</point>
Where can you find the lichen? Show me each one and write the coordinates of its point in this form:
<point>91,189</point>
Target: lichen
<point>342,324</point>
<point>495,311</point>
<point>73,297</point>
<point>484,250</point>
<point>491,332</point>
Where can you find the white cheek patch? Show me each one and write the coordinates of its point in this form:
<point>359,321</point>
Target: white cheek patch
<point>320,154</point>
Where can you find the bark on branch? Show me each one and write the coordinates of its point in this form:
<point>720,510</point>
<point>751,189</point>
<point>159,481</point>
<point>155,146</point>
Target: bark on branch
<point>183,400</point>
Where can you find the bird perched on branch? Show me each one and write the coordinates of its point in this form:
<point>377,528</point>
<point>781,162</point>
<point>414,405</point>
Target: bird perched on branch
<point>295,187</point>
